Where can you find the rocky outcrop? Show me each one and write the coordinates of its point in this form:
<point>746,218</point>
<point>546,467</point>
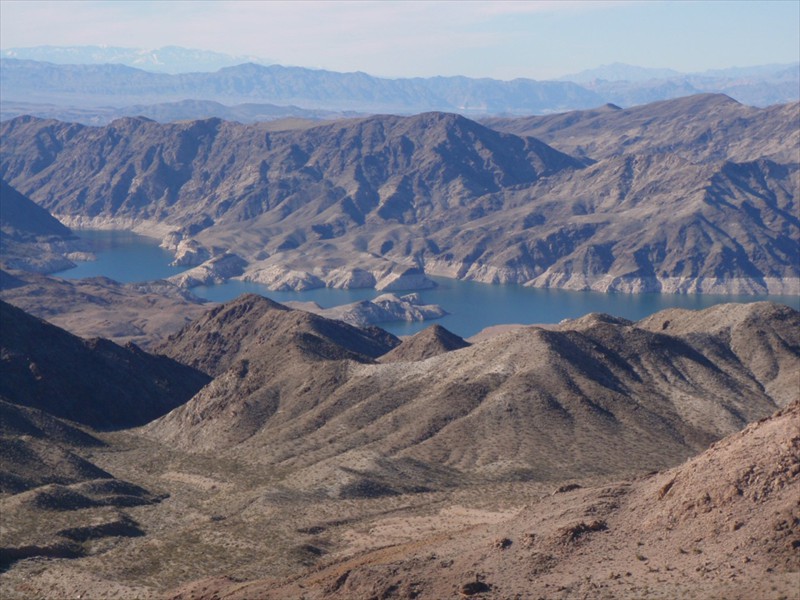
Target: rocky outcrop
<point>382,309</point>
<point>282,279</point>
<point>405,279</point>
<point>349,279</point>
<point>215,270</point>
<point>190,253</point>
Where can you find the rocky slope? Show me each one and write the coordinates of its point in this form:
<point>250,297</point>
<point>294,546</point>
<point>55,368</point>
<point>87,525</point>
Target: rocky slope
<point>721,525</point>
<point>492,469</point>
<point>691,195</point>
<point>270,364</point>
<point>93,382</point>
<point>702,128</point>
<point>21,218</point>
<point>139,169</point>
<point>56,502</point>
<point>429,342</point>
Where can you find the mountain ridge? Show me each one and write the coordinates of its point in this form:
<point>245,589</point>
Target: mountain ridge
<point>598,378</point>
<point>350,202</point>
<point>306,452</point>
<point>277,84</point>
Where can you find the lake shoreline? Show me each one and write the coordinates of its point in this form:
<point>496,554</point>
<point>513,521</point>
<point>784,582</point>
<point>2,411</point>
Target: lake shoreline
<point>472,306</point>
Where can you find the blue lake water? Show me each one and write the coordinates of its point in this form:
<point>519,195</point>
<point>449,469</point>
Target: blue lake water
<point>122,256</point>
<point>128,257</point>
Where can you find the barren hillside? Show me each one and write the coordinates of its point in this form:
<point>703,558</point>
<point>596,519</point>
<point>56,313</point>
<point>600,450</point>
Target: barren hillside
<point>514,464</point>
<point>527,404</point>
<point>695,194</point>
<point>722,525</point>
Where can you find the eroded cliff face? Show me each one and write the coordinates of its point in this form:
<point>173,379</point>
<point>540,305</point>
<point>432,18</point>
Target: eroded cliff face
<point>354,202</point>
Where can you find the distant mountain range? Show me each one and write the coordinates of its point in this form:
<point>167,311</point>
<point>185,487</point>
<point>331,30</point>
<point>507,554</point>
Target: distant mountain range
<point>687,195</point>
<point>624,72</point>
<point>169,59</point>
<point>118,85</point>
<point>613,72</point>
<point>95,91</point>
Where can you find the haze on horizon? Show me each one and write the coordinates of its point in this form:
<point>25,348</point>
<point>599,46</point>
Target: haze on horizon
<point>502,40</point>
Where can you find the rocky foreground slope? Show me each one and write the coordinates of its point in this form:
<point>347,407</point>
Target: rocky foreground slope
<point>690,195</point>
<point>405,468</point>
<point>722,525</point>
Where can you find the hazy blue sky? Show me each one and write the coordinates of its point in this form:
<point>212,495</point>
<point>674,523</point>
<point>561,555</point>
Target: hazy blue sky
<point>499,39</point>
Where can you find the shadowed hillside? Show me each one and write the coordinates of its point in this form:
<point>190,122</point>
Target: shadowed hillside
<point>93,382</point>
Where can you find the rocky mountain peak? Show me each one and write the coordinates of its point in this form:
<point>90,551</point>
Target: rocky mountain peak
<point>431,341</point>
<point>252,327</point>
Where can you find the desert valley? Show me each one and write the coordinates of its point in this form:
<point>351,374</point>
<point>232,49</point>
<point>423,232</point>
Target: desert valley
<point>155,444</point>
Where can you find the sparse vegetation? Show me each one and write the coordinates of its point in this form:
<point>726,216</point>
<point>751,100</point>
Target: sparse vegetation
<point>431,488</point>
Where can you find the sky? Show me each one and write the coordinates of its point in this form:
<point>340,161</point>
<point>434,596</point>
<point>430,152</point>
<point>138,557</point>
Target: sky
<point>500,39</point>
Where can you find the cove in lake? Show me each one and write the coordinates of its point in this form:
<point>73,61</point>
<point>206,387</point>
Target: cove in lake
<point>123,256</point>
<point>473,306</point>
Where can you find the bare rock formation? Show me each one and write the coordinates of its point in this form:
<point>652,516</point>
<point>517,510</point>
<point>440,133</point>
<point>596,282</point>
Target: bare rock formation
<point>382,309</point>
